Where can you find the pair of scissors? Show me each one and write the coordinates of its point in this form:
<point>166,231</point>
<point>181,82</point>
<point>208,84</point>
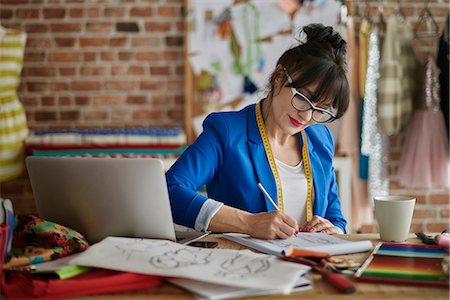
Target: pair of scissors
<point>426,239</point>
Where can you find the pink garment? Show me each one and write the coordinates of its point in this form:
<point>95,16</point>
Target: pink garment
<point>424,160</point>
<point>349,135</point>
<point>348,141</point>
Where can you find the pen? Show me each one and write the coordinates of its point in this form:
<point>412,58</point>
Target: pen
<point>363,267</point>
<point>261,187</point>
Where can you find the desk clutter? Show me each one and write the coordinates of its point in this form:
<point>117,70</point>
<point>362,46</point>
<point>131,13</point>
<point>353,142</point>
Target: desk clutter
<point>163,143</point>
<point>118,264</point>
<point>48,260</point>
<point>35,240</point>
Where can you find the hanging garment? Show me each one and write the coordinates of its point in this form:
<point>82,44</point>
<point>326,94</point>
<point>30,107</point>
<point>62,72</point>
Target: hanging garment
<point>363,159</point>
<point>348,142</point>
<point>13,127</point>
<point>424,159</point>
<point>364,32</point>
<point>396,81</point>
<point>443,64</point>
<point>374,142</point>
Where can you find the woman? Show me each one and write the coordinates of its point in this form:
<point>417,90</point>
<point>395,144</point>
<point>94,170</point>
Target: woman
<point>280,143</point>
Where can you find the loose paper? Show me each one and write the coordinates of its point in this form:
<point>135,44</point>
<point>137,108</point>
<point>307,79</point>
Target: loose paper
<point>240,268</point>
<point>218,292</point>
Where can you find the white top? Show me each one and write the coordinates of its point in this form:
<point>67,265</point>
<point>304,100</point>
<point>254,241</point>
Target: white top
<point>295,189</point>
<point>294,186</point>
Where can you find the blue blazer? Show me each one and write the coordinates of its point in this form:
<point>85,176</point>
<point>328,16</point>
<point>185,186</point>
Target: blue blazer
<point>229,157</point>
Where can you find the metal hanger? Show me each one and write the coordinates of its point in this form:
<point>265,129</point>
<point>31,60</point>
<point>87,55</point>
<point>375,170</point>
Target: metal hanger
<point>367,12</point>
<point>427,18</point>
<point>380,13</point>
<point>399,12</point>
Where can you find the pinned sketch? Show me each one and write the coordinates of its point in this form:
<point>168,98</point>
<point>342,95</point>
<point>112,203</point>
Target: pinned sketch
<point>202,17</point>
<point>239,268</point>
<point>237,45</point>
<point>325,12</point>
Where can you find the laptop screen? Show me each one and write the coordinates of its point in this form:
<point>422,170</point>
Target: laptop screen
<point>101,197</point>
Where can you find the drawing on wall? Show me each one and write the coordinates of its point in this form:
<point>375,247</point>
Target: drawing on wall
<point>233,47</point>
<point>240,267</point>
<point>180,258</point>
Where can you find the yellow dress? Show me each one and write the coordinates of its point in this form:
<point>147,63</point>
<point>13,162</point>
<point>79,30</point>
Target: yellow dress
<point>364,31</point>
<point>13,124</point>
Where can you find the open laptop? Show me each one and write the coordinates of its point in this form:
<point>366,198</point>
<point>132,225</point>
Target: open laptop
<point>100,197</point>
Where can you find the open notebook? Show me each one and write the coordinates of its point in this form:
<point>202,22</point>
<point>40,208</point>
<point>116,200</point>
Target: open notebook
<point>304,240</point>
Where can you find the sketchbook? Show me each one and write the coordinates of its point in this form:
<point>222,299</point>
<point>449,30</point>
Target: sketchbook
<point>408,264</point>
<point>304,240</point>
<point>211,291</point>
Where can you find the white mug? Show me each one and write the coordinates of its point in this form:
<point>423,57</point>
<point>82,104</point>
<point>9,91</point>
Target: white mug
<point>394,215</point>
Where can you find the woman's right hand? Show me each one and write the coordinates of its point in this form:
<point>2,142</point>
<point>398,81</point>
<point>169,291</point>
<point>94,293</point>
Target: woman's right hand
<point>271,225</point>
<point>265,225</point>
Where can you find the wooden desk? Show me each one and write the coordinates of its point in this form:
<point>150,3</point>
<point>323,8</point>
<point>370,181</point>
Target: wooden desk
<point>321,290</point>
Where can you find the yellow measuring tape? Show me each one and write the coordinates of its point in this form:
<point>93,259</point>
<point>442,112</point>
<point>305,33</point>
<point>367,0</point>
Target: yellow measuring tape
<point>306,163</point>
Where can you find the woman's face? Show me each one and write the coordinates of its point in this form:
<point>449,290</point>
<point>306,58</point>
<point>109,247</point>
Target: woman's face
<point>289,119</point>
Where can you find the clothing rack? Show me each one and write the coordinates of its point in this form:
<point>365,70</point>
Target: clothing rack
<point>364,9</point>
<point>360,8</point>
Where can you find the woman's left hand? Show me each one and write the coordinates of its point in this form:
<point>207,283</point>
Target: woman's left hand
<point>319,224</point>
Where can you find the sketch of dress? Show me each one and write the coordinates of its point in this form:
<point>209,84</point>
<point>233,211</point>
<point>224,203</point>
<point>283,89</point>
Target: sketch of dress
<point>180,258</point>
<point>241,267</point>
<point>134,246</point>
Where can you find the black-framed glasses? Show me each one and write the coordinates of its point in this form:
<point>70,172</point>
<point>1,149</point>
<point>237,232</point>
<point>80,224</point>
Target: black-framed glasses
<point>301,103</point>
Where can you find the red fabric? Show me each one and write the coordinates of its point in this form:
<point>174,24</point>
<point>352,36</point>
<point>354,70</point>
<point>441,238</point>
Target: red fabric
<point>3,240</point>
<point>17,285</point>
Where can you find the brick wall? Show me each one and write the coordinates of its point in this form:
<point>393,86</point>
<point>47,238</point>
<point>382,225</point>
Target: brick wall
<point>110,63</point>
<point>97,63</point>
<point>100,63</point>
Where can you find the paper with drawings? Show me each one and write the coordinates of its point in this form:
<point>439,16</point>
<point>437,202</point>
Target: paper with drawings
<point>218,292</point>
<point>242,268</point>
<point>325,12</point>
<point>312,241</point>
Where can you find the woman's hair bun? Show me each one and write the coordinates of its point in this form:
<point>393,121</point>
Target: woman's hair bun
<point>318,33</point>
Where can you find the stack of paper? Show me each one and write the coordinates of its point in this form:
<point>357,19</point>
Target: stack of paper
<point>212,291</point>
<point>236,268</point>
<point>61,267</point>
